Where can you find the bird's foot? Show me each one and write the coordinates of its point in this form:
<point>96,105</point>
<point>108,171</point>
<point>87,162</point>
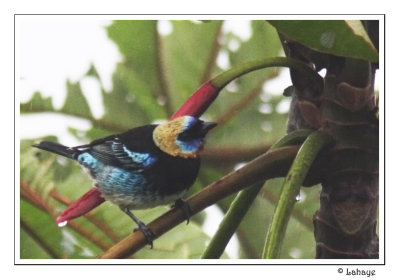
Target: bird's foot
<point>147,232</point>
<point>179,203</point>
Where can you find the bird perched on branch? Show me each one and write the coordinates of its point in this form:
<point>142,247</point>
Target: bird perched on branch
<point>143,167</point>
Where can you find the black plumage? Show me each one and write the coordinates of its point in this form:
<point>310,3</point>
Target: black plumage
<point>142,167</point>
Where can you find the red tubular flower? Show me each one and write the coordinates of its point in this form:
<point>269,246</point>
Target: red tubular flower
<point>84,204</point>
<point>198,102</point>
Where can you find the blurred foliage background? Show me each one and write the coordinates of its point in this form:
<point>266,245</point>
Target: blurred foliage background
<point>157,74</point>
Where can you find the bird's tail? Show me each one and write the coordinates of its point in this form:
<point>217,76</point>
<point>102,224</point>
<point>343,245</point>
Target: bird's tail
<point>57,149</point>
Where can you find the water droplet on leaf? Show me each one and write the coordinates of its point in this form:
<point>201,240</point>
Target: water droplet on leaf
<point>301,196</point>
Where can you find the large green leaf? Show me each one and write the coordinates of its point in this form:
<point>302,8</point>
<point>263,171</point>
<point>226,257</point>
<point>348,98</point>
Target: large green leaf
<point>37,104</point>
<point>76,103</point>
<point>339,37</point>
<point>138,42</point>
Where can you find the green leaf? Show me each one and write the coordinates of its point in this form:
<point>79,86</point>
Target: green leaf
<point>37,104</point>
<point>92,72</point>
<point>189,57</point>
<point>76,103</point>
<point>138,42</point>
<point>338,37</point>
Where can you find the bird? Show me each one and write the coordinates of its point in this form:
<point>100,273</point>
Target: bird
<point>144,167</point>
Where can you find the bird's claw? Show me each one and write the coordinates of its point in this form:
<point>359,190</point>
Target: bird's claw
<point>147,232</point>
<point>179,203</point>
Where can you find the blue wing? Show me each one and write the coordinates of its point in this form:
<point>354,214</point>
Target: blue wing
<point>114,152</point>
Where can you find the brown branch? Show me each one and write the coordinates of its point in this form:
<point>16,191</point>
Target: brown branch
<point>269,165</point>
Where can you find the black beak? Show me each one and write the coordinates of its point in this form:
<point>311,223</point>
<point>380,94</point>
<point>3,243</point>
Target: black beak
<point>207,126</point>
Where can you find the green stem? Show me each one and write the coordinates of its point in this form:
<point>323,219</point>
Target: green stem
<point>294,138</point>
<point>291,187</point>
<point>241,204</point>
<point>224,78</point>
<point>236,212</point>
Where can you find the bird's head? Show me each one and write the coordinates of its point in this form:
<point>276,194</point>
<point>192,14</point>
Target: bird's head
<point>183,136</point>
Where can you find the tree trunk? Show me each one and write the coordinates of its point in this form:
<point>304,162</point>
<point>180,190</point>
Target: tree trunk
<point>345,224</point>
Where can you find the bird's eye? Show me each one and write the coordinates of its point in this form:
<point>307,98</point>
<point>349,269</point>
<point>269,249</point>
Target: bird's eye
<point>185,135</point>
<point>191,132</point>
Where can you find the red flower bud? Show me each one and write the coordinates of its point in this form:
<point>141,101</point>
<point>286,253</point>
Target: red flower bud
<point>84,204</point>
